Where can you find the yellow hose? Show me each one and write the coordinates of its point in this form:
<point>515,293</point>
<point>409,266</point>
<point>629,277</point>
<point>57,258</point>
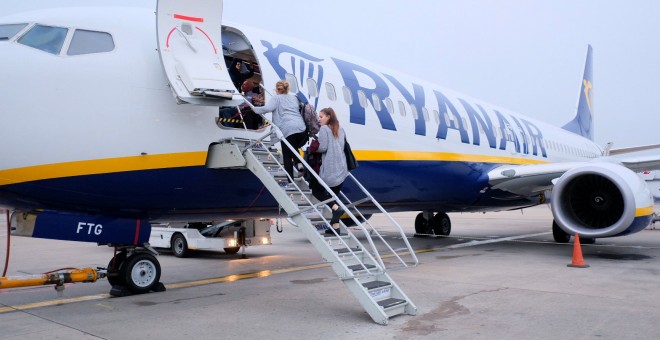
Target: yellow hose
<point>58,278</point>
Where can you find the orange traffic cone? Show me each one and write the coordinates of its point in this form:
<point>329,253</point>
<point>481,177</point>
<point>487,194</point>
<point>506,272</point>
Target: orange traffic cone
<point>578,261</point>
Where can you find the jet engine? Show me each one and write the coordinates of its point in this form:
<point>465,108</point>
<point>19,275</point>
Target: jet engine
<point>601,200</point>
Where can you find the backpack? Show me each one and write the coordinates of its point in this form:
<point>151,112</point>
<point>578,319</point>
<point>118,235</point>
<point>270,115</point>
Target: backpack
<point>311,118</point>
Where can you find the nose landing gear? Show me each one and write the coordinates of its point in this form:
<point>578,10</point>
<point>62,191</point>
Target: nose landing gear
<point>134,271</point>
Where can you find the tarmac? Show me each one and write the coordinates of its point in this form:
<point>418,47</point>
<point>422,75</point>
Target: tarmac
<point>498,276</point>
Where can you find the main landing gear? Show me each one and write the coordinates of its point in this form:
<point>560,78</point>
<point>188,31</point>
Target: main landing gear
<point>134,271</point>
<point>561,236</point>
<point>427,223</point>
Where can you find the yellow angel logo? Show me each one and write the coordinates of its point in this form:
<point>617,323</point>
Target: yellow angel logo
<point>587,92</point>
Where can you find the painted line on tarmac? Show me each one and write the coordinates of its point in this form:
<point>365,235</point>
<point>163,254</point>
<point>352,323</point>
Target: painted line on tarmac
<point>228,278</point>
<point>53,303</point>
<point>474,243</point>
<point>237,277</point>
<point>494,240</point>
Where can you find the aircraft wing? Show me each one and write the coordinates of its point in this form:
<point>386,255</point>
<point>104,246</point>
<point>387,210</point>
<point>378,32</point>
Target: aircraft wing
<point>639,163</point>
<point>527,180</point>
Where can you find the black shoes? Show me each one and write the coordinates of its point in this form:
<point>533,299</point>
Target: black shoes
<point>329,232</point>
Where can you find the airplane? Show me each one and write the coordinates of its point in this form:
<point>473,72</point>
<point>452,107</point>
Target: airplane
<point>110,109</point>
<point>652,178</point>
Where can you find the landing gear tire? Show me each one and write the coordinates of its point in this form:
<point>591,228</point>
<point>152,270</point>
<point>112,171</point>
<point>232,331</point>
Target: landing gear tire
<point>441,224</point>
<point>587,240</point>
<point>140,272</point>
<point>421,224</point>
<point>114,268</point>
<point>559,234</point>
<point>179,246</point>
<point>232,250</point>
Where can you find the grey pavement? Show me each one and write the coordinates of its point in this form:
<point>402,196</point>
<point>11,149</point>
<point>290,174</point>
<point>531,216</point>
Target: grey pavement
<point>498,276</point>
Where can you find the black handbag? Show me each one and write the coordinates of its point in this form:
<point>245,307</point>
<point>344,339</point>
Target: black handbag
<point>351,162</point>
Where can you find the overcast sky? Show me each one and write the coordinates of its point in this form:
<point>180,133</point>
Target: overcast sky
<point>524,55</point>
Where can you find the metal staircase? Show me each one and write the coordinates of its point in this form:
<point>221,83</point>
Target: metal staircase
<point>361,265</point>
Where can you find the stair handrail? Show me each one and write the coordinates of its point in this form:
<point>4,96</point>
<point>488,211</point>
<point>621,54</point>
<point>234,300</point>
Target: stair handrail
<point>376,252</point>
<point>391,219</point>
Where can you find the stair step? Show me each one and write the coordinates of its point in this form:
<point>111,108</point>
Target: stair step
<point>296,191</point>
<point>376,285</point>
<point>391,302</point>
<point>343,235</point>
<point>346,250</point>
<point>360,267</point>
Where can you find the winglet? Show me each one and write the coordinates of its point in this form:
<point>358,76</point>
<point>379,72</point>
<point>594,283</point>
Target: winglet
<point>582,124</point>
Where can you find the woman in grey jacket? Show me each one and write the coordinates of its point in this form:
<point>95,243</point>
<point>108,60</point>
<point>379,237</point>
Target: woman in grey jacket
<point>288,119</point>
<point>333,162</point>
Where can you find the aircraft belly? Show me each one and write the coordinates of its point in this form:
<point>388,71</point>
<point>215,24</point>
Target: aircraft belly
<point>196,190</point>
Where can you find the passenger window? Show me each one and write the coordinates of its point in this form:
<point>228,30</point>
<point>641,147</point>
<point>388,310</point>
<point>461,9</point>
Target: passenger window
<point>46,38</point>
<point>293,81</point>
<point>330,90</point>
<point>87,42</point>
<point>413,109</point>
<point>9,31</point>
<point>362,98</point>
<point>425,113</point>
<point>311,88</point>
<point>376,102</point>
<point>348,98</point>
<point>436,115</point>
<point>389,105</point>
<point>402,109</point>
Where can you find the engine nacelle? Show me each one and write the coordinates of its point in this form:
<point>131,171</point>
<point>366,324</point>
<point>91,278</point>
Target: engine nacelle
<point>601,200</point>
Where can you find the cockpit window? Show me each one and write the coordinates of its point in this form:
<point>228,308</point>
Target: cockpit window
<point>46,38</point>
<point>9,31</point>
<point>85,42</point>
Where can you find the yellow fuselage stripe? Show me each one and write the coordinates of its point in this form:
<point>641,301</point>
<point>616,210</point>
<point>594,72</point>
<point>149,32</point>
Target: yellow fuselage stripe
<point>101,166</point>
<point>184,159</point>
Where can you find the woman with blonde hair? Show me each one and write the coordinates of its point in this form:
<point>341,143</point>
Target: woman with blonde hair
<point>333,162</point>
<point>287,117</point>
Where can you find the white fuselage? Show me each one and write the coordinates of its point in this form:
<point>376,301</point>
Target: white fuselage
<point>106,114</point>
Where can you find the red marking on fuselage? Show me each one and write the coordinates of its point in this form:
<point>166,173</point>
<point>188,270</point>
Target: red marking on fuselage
<point>167,42</point>
<point>185,17</point>
<point>207,36</point>
<point>137,232</point>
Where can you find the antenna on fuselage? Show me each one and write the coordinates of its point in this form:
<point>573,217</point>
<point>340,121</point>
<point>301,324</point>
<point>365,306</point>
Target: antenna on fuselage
<point>608,147</point>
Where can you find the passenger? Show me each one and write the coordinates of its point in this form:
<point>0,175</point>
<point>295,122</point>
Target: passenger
<point>333,162</point>
<point>288,119</point>
<point>238,76</point>
<point>251,120</point>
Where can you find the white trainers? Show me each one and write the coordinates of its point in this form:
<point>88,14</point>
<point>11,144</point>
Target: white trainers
<point>290,186</point>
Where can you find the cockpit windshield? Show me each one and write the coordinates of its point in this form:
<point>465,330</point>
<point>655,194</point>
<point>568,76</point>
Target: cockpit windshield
<point>9,31</point>
<point>46,38</point>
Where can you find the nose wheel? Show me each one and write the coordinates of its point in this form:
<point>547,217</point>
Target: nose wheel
<point>136,273</point>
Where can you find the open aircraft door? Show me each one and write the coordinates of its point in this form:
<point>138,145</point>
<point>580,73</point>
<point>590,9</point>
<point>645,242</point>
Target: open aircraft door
<point>190,47</point>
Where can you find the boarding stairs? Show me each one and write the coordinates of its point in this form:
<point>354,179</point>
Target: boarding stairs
<point>358,261</point>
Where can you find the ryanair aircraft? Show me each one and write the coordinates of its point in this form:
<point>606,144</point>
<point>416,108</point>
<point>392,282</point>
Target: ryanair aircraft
<point>109,111</point>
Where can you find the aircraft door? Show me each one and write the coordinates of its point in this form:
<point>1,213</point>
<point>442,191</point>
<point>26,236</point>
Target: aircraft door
<point>190,48</point>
